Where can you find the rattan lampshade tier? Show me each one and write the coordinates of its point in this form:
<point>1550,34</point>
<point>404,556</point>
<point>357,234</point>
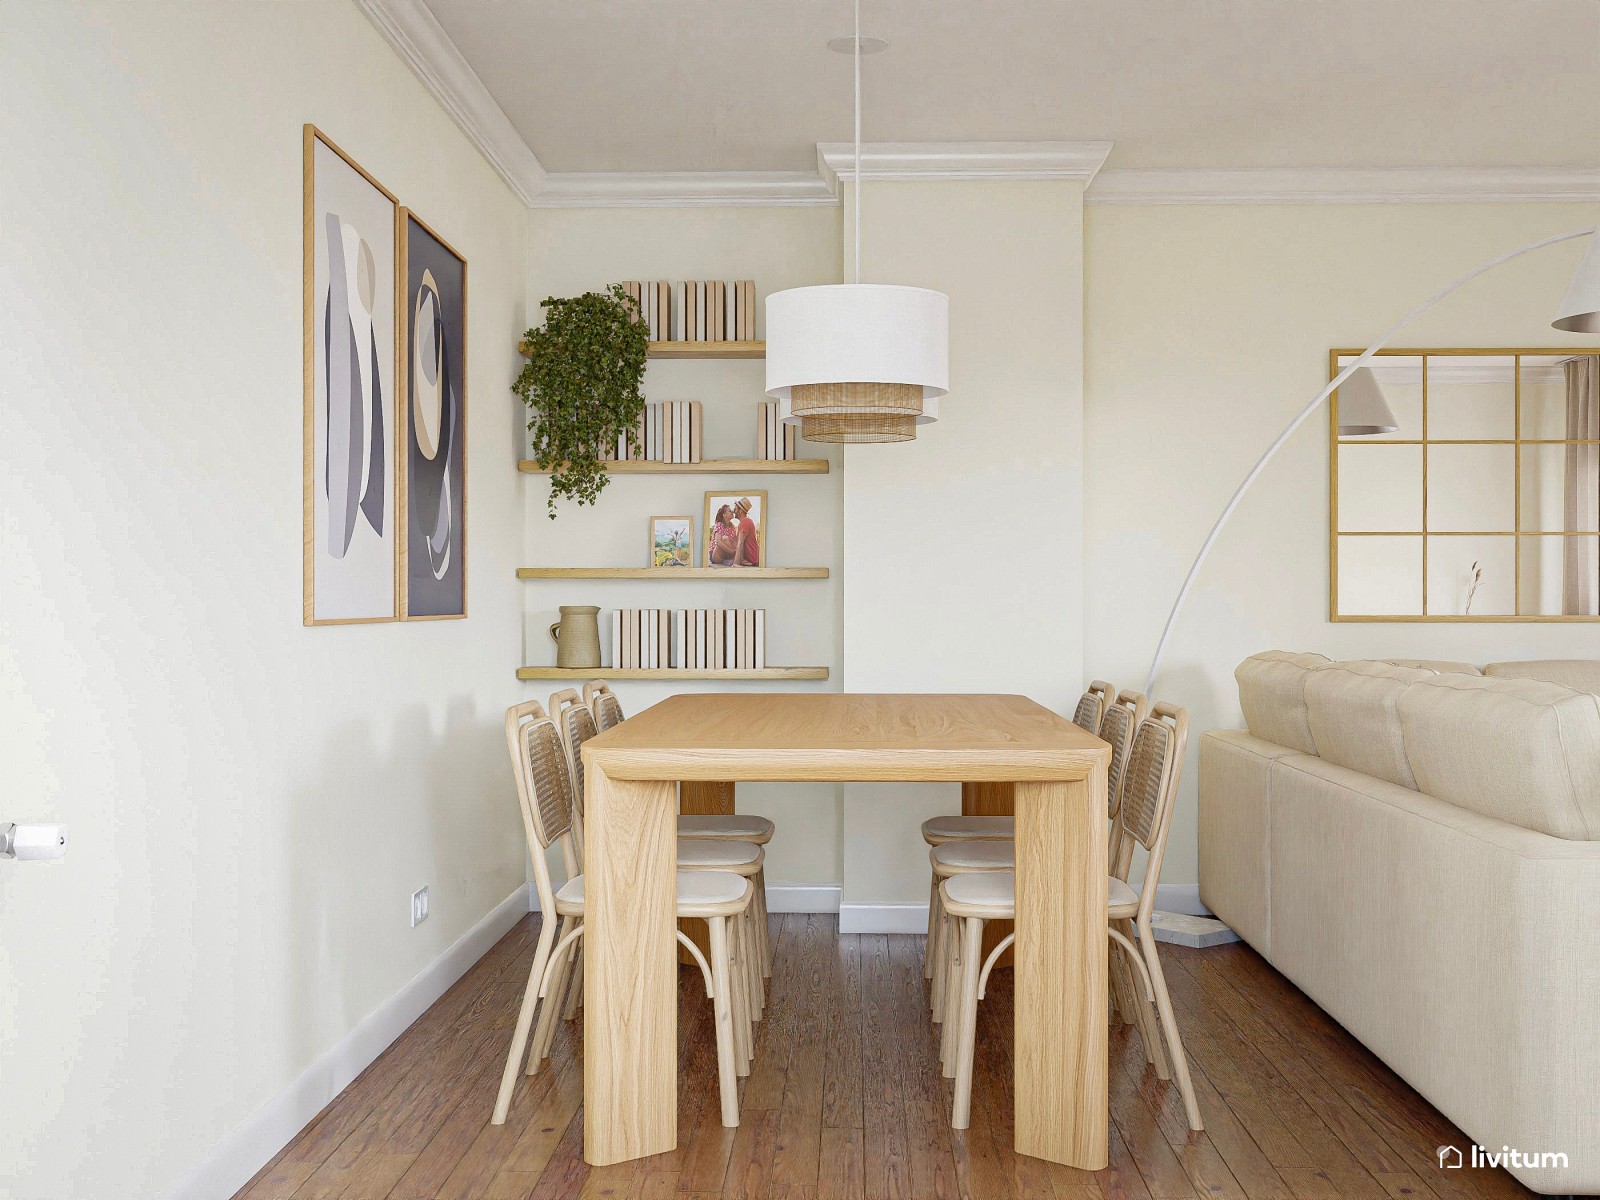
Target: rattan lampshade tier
<point>846,399</point>
<point>860,428</point>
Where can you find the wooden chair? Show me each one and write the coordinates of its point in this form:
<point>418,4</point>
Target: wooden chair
<point>1149,792</point>
<point>606,710</point>
<point>996,851</point>
<point>544,791</point>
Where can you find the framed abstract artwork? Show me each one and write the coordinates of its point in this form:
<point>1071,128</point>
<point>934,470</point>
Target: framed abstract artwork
<point>351,535</point>
<point>433,424</point>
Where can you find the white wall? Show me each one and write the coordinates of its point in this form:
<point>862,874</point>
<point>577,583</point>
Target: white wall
<point>963,549</point>
<point>572,251</point>
<point>251,802</point>
<point>1205,329</point>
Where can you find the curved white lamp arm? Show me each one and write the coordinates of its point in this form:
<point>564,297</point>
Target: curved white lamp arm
<point>1299,419</point>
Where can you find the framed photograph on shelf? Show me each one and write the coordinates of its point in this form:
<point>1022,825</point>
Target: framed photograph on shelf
<point>433,425</point>
<point>736,529</point>
<point>351,536</point>
<point>672,541</point>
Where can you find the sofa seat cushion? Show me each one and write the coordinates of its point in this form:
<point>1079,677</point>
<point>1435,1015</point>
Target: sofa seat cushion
<point>1580,674</point>
<point>1272,693</point>
<point>1520,750</point>
<point>1354,712</point>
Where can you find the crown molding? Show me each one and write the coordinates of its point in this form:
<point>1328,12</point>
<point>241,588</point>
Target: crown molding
<point>417,37</point>
<point>1340,185</point>
<point>962,160</point>
<point>681,189</point>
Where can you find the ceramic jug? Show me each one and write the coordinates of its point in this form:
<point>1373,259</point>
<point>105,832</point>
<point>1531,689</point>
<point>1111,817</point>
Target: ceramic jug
<point>577,636</point>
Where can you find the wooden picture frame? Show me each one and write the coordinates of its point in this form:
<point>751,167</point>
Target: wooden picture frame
<point>350,544</point>
<point>685,557</point>
<point>432,307</point>
<point>719,551</point>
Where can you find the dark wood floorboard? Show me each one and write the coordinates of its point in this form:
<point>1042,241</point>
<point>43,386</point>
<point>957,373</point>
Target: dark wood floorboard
<point>846,1100</point>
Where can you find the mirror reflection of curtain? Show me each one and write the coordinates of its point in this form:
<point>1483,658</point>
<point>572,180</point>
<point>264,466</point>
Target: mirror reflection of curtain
<point>1580,580</point>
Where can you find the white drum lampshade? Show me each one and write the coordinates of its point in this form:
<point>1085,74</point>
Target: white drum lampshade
<point>1580,307</point>
<point>858,362</point>
<point>1363,412</point>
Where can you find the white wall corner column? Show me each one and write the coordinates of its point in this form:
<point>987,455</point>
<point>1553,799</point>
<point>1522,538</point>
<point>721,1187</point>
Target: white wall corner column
<point>963,550</point>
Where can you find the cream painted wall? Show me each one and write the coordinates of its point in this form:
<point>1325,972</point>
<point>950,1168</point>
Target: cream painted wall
<point>572,251</point>
<point>251,802</point>
<point>963,550</point>
<point>1205,329</point>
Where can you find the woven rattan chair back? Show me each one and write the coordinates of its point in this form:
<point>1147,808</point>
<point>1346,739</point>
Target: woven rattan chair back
<point>576,721</point>
<point>1092,706</point>
<point>544,790</point>
<point>1121,718</point>
<point>603,703</point>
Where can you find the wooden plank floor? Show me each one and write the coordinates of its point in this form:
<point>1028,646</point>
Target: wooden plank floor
<point>845,1099</point>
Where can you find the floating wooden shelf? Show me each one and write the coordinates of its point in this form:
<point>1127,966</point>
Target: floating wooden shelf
<point>710,466</point>
<point>708,349</point>
<point>726,574</point>
<point>668,673</point>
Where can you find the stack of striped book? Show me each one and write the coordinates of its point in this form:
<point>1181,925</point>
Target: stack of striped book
<point>689,639</point>
<point>775,441</point>
<point>696,310</point>
<point>668,432</point>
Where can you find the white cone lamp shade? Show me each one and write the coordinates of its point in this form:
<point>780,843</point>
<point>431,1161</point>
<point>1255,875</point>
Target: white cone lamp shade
<point>1363,412</point>
<point>858,362</point>
<point>1580,308</point>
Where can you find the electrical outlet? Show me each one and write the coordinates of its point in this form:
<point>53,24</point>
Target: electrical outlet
<point>419,907</point>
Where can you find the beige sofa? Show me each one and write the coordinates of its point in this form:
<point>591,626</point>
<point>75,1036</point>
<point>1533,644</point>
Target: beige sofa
<point>1417,846</point>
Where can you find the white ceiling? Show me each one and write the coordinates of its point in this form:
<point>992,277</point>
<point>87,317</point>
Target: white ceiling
<point>749,85</point>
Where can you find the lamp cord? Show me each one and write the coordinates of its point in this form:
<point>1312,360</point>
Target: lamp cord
<point>857,57</point>
<point>1238,494</point>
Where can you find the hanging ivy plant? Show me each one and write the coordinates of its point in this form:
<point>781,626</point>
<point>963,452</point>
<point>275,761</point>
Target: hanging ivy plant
<point>581,384</point>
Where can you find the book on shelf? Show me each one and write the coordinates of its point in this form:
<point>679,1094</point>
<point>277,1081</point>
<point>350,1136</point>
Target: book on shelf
<point>775,440</point>
<point>669,431</point>
<point>695,310</point>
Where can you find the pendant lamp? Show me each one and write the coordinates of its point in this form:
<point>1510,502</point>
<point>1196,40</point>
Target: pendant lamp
<point>858,362</point>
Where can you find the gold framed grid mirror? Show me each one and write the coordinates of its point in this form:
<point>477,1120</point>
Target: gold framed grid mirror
<point>1483,504</point>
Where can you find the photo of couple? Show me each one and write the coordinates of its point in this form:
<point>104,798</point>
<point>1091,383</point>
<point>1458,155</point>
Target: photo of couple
<point>735,529</point>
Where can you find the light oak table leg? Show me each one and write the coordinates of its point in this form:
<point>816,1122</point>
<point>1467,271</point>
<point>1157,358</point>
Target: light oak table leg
<point>700,798</point>
<point>1060,1068</point>
<point>630,979</point>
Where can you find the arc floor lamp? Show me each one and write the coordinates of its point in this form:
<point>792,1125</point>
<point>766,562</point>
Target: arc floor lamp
<point>1579,313</point>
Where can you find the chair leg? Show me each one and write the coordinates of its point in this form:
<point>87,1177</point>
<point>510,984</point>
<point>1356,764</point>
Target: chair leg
<point>954,970</point>
<point>1124,991</point>
<point>1149,1033</point>
<point>971,964</point>
<point>519,1036</point>
<point>544,1032</point>
<point>575,989</point>
<point>758,982</point>
<point>941,967</point>
<point>763,925</point>
<point>930,948</point>
<point>722,1010</point>
<point>739,972</point>
<point>1169,1024</point>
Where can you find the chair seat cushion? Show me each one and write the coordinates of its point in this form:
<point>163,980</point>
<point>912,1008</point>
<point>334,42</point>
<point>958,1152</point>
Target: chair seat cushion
<point>694,888</point>
<point>716,852</point>
<point>989,854</point>
<point>938,829</point>
<point>1121,898</point>
<point>744,827</point>
<point>987,894</point>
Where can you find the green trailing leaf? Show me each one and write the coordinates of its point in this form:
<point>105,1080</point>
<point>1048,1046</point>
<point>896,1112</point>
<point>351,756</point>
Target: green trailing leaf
<point>582,385</point>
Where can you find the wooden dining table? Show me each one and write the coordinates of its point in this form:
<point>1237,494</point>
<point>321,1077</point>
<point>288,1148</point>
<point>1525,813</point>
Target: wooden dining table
<point>1058,775</point>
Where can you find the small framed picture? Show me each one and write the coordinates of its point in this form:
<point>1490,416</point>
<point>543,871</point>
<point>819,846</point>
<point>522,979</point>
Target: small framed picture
<point>672,541</point>
<point>736,529</point>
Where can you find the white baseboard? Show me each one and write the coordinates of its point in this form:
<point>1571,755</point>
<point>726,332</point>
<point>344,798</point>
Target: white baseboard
<point>803,897</point>
<point>1181,898</point>
<point>883,918</point>
<point>251,1146</point>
